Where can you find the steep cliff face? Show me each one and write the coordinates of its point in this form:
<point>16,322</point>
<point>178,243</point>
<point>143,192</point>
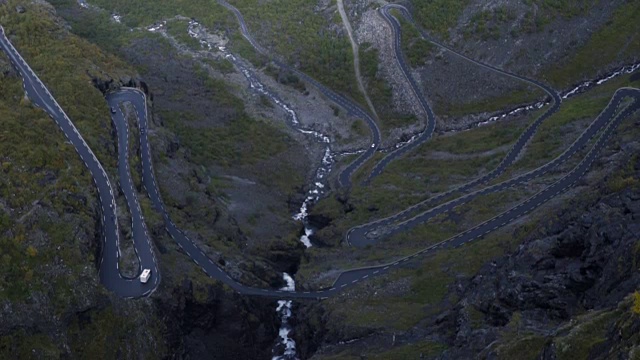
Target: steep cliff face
<point>211,322</point>
<point>583,262</point>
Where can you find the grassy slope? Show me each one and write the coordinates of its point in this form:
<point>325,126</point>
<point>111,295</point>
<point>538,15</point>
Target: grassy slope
<point>418,51</point>
<point>423,172</point>
<point>217,138</point>
<point>380,92</point>
<point>61,61</point>
<point>292,29</point>
<point>439,15</point>
<point>618,40</point>
<point>418,175</point>
<point>296,30</point>
<point>240,141</point>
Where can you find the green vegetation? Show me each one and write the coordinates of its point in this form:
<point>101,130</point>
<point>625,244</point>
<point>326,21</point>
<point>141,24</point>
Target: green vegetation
<point>618,39</point>
<point>32,145</point>
<point>486,24</point>
<point>414,47</point>
<point>465,216</point>
<point>561,8</point>
<point>615,41</point>
<point>380,91</point>
<point>500,103</point>
<point>526,347</point>
<point>145,12</point>
<point>48,210</point>
<point>291,28</point>
<point>563,127</point>
<point>242,141</point>
<point>590,331</point>
<point>438,16</point>
<point>428,285</point>
<point>38,165</point>
<point>222,65</point>
<point>420,350</point>
<point>63,61</point>
<point>429,292</point>
<point>21,345</point>
<point>436,166</point>
<point>102,334</point>
<point>624,179</point>
<point>429,281</point>
<point>396,194</point>
<point>418,51</point>
<point>296,30</point>
<point>97,28</point>
<point>411,351</point>
<point>179,30</point>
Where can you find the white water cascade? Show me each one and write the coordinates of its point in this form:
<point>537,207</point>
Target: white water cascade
<point>286,348</point>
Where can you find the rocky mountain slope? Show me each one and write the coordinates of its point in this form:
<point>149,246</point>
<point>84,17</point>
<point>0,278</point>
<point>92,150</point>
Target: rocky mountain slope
<point>562,44</point>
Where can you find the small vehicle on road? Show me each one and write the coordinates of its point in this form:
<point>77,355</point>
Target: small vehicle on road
<point>145,276</point>
<point>113,110</point>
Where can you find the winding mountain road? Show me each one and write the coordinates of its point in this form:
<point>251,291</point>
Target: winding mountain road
<point>430,127</point>
<point>604,126</point>
<point>431,121</point>
<point>110,275</point>
<point>404,221</point>
<point>360,235</point>
<point>608,120</point>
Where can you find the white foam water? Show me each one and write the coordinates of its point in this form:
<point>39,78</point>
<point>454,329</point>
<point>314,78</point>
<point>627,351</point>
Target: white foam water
<point>317,190</point>
<point>284,310</point>
<point>580,88</point>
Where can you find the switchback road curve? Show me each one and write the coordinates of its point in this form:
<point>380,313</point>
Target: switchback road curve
<point>359,235</point>
<point>109,262</point>
<point>426,134</point>
<point>431,121</point>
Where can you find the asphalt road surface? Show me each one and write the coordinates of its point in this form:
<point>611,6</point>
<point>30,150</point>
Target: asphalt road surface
<point>370,233</point>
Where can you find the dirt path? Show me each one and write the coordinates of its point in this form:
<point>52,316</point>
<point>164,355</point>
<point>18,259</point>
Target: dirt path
<point>356,57</point>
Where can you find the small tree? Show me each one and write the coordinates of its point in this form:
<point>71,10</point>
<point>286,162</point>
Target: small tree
<point>636,303</point>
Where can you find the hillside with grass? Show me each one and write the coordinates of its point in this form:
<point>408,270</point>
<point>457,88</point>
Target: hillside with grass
<point>51,298</point>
